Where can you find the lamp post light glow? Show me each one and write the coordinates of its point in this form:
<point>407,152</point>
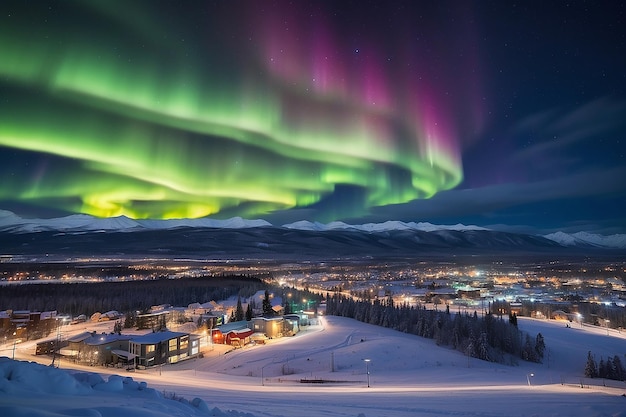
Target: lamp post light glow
<point>367,370</point>
<point>528,376</point>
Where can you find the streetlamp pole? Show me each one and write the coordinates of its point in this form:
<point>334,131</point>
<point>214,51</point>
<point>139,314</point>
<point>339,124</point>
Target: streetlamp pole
<point>528,376</point>
<point>367,370</point>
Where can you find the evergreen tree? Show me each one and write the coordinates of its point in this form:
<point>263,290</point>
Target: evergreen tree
<point>267,306</point>
<point>483,347</point>
<point>528,351</point>
<point>540,345</point>
<point>620,372</point>
<point>249,312</point>
<point>130,320</point>
<point>117,327</point>
<point>591,368</point>
<point>603,369</point>
<point>239,310</point>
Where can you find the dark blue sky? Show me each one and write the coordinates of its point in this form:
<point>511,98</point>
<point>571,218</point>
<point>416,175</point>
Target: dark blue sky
<point>510,115</point>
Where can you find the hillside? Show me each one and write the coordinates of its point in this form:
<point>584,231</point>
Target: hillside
<point>408,376</point>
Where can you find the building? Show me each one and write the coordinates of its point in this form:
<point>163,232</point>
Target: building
<point>96,349</point>
<point>163,347</point>
<point>238,338</point>
<point>272,327</point>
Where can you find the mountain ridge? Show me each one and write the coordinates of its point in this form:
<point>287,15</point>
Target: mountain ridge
<point>404,233</point>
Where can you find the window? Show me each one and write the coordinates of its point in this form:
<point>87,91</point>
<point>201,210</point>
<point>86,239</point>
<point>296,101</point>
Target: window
<point>149,348</point>
<point>173,345</point>
<point>184,343</point>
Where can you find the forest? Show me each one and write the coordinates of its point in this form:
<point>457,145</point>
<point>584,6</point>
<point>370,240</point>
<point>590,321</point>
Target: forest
<point>488,337</point>
<point>124,296</point>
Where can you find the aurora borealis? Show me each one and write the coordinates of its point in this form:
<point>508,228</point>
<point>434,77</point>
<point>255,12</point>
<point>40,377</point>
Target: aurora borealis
<point>302,110</point>
<point>162,135</point>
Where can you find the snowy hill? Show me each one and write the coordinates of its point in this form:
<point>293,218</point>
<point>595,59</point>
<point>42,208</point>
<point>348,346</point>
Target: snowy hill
<point>588,239</point>
<point>378,227</point>
<point>83,223</point>
<point>82,234</point>
<point>408,376</point>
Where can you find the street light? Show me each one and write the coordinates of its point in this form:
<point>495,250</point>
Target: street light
<point>528,376</point>
<point>367,370</point>
<point>14,342</point>
<point>607,321</point>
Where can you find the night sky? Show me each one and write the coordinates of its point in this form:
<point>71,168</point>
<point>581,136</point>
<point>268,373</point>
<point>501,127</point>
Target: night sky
<point>509,115</point>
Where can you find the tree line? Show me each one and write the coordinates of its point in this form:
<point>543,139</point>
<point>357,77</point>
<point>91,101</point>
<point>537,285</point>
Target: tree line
<point>611,368</point>
<point>488,337</point>
<point>123,296</point>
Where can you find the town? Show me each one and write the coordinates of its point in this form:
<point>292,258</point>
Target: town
<point>590,292</point>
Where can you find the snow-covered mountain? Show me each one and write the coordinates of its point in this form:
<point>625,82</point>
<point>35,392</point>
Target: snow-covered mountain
<point>588,239</point>
<point>82,223</point>
<point>378,227</point>
<point>87,234</point>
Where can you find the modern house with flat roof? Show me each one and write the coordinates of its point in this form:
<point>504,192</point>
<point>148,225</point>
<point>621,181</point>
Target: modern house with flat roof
<point>96,349</point>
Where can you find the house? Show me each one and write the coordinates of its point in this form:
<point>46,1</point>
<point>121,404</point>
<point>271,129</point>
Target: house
<point>163,347</point>
<point>272,327</point>
<point>238,338</point>
<point>152,320</point>
<point>95,349</point>
<point>560,315</point>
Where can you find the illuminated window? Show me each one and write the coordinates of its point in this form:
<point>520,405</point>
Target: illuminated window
<point>184,343</point>
<point>173,345</point>
<point>149,348</point>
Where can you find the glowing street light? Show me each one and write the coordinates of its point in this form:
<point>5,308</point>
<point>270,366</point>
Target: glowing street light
<point>528,376</point>
<point>367,370</point>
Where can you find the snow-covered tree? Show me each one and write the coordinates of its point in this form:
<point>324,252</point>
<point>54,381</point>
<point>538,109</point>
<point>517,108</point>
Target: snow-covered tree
<point>591,368</point>
<point>540,345</point>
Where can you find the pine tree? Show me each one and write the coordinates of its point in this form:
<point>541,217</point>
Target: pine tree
<point>620,372</point>
<point>602,369</point>
<point>239,310</point>
<point>117,327</point>
<point>483,347</point>
<point>591,368</point>
<point>540,345</point>
<point>249,312</point>
<point>267,306</point>
<point>130,320</point>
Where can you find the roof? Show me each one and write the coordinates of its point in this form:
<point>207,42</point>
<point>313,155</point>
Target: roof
<point>279,318</point>
<point>79,337</point>
<point>157,337</point>
<point>233,325</point>
<point>103,339</point>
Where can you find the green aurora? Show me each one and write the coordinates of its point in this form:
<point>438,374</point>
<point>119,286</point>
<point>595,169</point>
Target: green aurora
<point>148,129</point>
